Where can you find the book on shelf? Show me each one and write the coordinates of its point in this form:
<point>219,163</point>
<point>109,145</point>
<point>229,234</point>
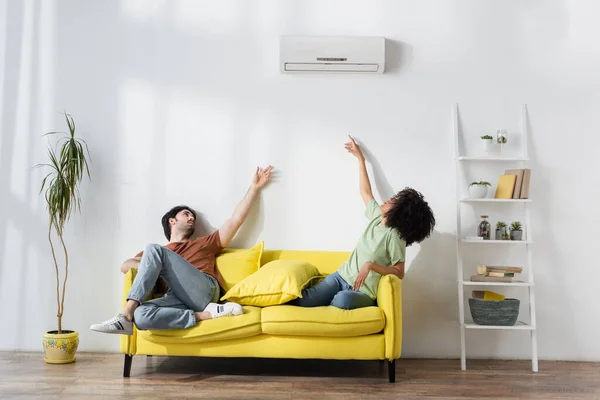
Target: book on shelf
<point>519,181</point>
<point>524,194</point>
<point>485,278</point>
<point>484,269</point>
<point>500,274</point>
<point>520,187</point>
<point>506,271</point>
<point>506,187</point>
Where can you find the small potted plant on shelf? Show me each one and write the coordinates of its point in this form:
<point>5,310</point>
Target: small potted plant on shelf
<point>505,236</point>
<point>478,190</point>
<point>516,231</point>
<point>488,143</point>
<point>500,230</point>
<point>501,136</point>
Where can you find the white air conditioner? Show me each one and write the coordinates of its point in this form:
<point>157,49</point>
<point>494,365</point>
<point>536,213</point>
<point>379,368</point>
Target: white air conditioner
<point>332,54</point>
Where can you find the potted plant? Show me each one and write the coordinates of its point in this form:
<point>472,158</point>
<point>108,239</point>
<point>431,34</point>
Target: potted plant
<point>488,143</point>
<point>501,136</point>
<point>516,231</point>
<point>67,165</point>
<point>500,230</point>
<point>478,190</point>
<point>505,236</point>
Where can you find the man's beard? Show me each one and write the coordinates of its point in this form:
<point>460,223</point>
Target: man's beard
<point>188,230</point>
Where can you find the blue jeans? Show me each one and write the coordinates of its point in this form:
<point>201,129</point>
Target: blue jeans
<point>335,291</point>
<point>190,290</point>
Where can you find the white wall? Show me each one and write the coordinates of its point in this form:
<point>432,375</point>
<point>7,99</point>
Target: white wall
<point>180,100</point>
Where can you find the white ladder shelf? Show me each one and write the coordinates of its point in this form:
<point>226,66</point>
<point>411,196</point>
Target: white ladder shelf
<point>462,243</point>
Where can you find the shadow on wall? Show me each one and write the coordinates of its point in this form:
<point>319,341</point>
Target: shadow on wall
<point>203,227</point>
<point>429,297</point>
<point>249,232</point>
<point>380,183</point>
<point>398,56</point>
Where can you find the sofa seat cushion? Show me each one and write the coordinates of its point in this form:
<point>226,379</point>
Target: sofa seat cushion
<point>325,321</point>
<point>224,328</point>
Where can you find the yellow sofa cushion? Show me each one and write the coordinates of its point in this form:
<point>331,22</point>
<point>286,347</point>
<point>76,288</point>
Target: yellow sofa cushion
<point>321,321</point>
<point>224,328</point>
<point>275,283</point>
<point>237,265</point>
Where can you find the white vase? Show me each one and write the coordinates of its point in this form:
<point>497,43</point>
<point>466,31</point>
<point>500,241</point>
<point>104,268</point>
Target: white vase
<point>478,191</point>
<point>488,145</point>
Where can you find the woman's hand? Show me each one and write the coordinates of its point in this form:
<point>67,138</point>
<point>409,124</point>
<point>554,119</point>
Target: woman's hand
<point>353,148</point>
<point>362,275</point>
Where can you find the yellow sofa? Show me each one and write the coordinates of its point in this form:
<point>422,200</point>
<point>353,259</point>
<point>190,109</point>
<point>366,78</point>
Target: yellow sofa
<point>284,331</point>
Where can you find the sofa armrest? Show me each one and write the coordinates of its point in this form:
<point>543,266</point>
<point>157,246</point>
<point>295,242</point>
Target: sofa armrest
<point>389,299</point>
<point>129,342</point>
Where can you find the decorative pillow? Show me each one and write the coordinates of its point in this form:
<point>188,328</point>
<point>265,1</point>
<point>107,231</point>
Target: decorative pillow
<point>237,264</point>
<point>277,282</point>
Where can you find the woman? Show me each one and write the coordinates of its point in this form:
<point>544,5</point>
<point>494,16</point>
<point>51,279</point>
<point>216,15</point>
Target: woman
<point>401,221</point>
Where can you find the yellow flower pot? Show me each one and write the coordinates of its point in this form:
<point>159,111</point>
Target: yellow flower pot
<point>60,349</point>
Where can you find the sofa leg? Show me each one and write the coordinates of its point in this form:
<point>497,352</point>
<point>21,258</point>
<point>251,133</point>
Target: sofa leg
<point>392,370</point>
<point>127,365</point>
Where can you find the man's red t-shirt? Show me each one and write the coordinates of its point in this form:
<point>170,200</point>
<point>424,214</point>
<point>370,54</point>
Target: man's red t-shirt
<point>201,253</point>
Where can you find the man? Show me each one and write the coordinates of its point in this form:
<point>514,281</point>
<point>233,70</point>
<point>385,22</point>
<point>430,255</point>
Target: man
<point>187,267</point>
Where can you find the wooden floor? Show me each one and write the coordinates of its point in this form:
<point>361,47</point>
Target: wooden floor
<point>26,376</point>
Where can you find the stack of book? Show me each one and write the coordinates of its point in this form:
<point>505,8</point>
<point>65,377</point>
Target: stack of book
<point>514,184</point>
<point>490,273</point>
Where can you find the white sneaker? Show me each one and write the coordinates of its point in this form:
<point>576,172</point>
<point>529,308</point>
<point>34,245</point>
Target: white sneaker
<point>117,324</point>
<point>229,309</point>
<point>224,310</point>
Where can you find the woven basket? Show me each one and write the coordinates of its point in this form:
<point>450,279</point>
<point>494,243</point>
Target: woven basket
<point>494,312</point>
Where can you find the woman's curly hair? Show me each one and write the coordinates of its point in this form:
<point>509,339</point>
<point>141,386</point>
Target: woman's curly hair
<point>411,216</point>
